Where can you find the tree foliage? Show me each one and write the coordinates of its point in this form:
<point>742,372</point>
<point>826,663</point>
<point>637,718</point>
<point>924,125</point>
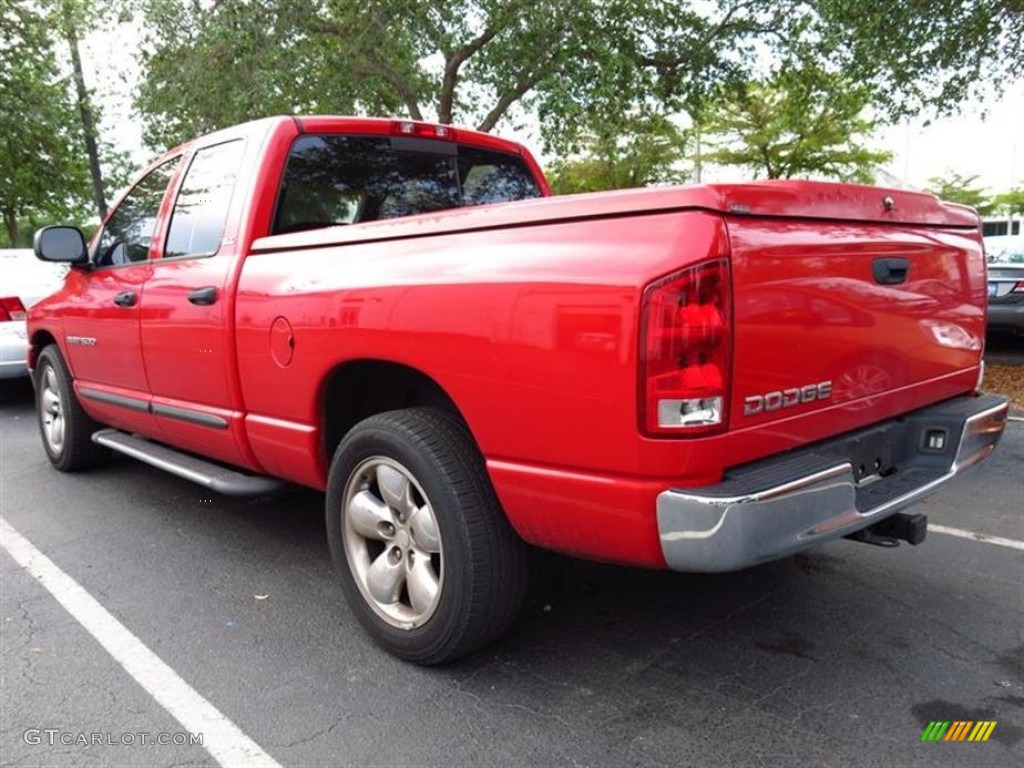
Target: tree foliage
<point>802,122</point>
<point>956,188</point>
<point>472,62</point>
<point>572,63</point>
<point>42,169</point>
<point>463,61</point>
<point>640,151</point>
<point>662,56</point>
<point>1010,202</point>
<point>930,56</point>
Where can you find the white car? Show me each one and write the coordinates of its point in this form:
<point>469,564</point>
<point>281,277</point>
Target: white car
<point>1004,249</point>
<point>24,280</point>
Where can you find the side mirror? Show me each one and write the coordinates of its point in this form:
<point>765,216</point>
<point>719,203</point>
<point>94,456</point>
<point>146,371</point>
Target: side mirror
<point>64,244</point>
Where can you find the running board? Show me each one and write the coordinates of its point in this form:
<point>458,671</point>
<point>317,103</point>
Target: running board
<point>213,476</point>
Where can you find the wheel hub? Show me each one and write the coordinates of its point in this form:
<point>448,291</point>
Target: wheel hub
<point>392,542</point>
<point>51,411</point>
<point>402,539</point>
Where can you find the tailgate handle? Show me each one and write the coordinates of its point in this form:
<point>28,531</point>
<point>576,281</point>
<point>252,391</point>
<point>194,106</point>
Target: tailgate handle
<point>890,271</point>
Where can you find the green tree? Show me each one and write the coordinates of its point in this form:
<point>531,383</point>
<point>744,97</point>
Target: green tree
<point>466,61</point>
<point>956,188</point>
<point>1010,202</point>
<point>640,151</point>
<point>472,62</point>
<point>42,173</point>
<point>803,121</point>
<point>575,64</point>
<point>930,56</point>
<point>913,56</point>
<point>207,67</point>
<point>72,17</point>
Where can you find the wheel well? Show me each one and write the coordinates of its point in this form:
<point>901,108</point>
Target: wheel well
<point>359,389</point>
<point>39,342</point>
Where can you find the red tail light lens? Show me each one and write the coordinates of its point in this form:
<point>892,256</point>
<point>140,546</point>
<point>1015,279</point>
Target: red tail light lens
<point>11,308</point>
<point>686,351</point>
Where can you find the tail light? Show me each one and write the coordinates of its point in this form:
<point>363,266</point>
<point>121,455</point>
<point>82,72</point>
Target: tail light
<point>11,308</point>
<point>686,351</point>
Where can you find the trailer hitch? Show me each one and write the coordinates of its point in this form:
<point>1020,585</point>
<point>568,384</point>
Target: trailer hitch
<point>894,529</point>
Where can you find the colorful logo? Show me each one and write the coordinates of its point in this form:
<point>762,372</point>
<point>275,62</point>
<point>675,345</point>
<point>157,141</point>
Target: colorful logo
<point>958,730</point>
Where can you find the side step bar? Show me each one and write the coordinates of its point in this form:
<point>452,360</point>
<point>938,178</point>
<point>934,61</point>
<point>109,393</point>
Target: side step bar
<point>213,476</point>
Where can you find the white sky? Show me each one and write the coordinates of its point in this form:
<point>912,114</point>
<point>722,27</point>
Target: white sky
<point>986,139</point>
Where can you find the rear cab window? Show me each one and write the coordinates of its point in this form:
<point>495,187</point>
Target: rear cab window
<point>335,180</point>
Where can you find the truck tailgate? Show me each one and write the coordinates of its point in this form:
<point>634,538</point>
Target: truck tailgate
<point>849,321</point>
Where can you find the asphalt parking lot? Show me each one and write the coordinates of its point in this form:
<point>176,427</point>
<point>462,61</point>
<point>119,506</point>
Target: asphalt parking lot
<point>837,657</point>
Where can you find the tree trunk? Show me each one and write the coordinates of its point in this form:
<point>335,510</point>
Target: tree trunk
<point>88,126</point>
<point>699,165</point>
<point>11,225</point>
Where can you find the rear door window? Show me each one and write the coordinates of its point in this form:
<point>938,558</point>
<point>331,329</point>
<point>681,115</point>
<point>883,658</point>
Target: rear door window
<point>334,180</point>
<point>201,210</point>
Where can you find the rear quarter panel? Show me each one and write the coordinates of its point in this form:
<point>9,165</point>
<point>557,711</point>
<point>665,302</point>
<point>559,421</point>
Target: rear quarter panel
<point>531,331</point>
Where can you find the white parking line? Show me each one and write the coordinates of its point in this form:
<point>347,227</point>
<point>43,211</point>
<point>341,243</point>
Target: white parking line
<point>982,537</point>
<point>221,738</point>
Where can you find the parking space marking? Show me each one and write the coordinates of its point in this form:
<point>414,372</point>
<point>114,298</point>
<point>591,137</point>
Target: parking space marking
<point>224,740</point>
<point>982,537</point>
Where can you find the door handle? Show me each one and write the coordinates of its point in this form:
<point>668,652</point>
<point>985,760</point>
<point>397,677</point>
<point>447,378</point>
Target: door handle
<point>890,271</point>
<point>203,296</point>
<point>126,299</point>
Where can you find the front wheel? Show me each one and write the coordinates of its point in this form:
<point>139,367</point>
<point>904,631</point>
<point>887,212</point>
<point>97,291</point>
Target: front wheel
<point>65,428</point>
<point>425,555</point>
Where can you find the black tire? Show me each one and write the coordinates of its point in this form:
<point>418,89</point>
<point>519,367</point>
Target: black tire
<point>76,450</point>
<point>481,563</point>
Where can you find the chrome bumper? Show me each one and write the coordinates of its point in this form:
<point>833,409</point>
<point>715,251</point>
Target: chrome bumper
<point>782,505</point>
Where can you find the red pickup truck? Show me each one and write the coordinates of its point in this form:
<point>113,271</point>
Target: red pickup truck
<point>701,378</point>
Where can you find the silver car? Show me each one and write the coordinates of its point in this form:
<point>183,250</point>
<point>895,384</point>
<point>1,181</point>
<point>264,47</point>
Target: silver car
<point>24,280</point>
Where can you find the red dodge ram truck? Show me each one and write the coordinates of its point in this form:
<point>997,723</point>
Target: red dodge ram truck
<point>700,378</point>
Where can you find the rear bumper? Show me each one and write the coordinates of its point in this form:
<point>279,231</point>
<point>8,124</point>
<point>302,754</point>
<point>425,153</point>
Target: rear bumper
<point>13,350</point>
<point>782,505</point>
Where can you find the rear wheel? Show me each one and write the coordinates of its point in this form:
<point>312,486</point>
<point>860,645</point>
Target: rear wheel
<point>65,428</point>
<point>426,557</point>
